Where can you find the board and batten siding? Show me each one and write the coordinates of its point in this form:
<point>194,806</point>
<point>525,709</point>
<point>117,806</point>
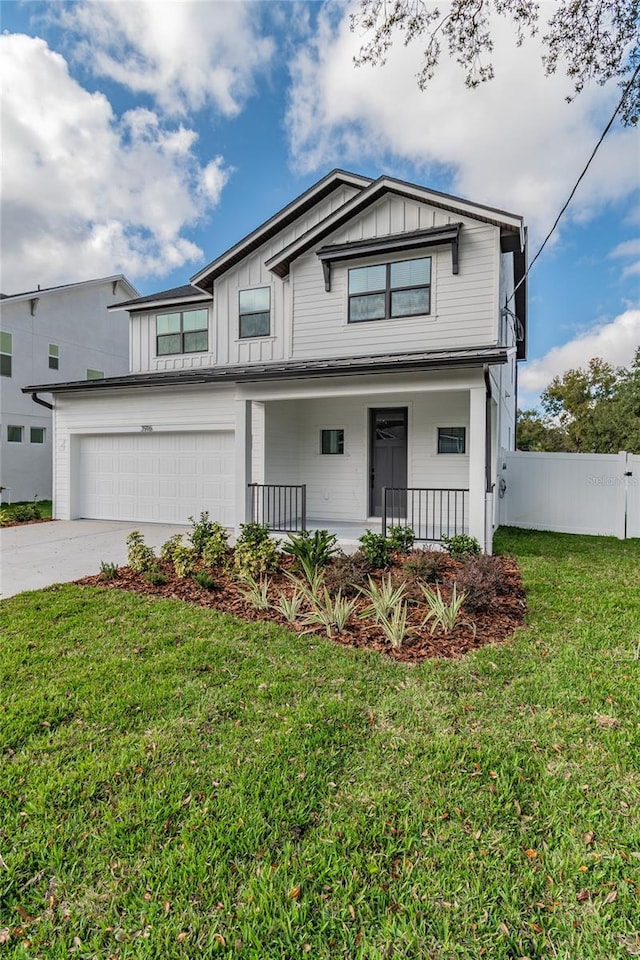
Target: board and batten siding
<point>225,346</point>
<point>464,307</point>
<point>120,412</point>
<point>337,485</point>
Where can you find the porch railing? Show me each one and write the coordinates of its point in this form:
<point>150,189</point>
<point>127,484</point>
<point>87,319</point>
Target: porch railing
<point>283,507</point>
<point>431,513</point>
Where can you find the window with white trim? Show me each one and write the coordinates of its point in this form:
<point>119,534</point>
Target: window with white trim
<point>6,353</point>
<point>37,434</point>
<point>254,313</point>
<point>390,291</point>
<point>14,433</point>
<point>186,331</point>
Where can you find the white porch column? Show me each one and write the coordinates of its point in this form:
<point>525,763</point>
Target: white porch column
<point>243,463</point>
<point>477,456</point>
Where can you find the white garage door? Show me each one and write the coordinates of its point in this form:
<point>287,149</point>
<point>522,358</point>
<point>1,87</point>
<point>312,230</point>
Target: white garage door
<point>164,477</point>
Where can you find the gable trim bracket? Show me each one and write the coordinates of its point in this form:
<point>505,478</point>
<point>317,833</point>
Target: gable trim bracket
<point>396,243</point>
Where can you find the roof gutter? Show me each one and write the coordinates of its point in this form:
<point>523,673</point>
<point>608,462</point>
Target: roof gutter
<point>43,403</point>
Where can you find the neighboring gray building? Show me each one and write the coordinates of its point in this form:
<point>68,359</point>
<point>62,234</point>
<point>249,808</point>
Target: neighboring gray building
<point>63,332</point>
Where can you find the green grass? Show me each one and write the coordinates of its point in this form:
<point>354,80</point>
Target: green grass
<point>10,509</point>
<point>178,784</point>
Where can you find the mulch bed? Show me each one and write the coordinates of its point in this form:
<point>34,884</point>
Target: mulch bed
<point>496,624</point>
<point>25,523</point>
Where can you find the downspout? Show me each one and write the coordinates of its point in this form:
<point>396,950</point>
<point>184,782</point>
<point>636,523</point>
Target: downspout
<point>43,403</point>
<point>487,430</point>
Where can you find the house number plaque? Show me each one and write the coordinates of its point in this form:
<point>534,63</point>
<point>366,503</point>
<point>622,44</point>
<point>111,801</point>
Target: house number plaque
<point>146,428</point>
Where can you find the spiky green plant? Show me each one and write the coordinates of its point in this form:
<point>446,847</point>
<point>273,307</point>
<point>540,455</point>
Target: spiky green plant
<point>444,616</point>
<point>383,598</point>
<point>256,592</point>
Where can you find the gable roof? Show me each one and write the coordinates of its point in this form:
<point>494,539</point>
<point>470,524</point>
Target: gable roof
<point>511,223</point>
<point>164,298</point>
<point>41,292</point>
<point>318,191</point>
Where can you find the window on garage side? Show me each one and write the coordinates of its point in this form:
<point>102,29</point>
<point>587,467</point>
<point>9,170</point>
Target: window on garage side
<point>14,433</point>
<point>186,331</point>
<point>54,356</point>
<point>94,374</point>
<point>37,434</point>
<point>254,313</point>
<point>6,351</point>
<point>452,439</point>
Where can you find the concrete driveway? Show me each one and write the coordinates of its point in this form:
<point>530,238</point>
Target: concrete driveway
<point>36,555</point>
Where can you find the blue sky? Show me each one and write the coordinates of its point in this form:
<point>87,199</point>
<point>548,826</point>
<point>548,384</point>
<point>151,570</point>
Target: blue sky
<point>146,138</point>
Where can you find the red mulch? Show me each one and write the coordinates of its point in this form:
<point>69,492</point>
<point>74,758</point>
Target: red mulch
<point>492,626</point>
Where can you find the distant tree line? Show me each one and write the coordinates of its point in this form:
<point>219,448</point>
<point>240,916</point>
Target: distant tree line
<point>592,410</point>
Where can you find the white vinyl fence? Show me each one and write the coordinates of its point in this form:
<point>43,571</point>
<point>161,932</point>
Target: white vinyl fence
<point>571,492</point>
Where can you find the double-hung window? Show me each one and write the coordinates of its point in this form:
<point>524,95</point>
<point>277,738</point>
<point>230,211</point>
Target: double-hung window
<point>186,331</point>
<point>254,313</point>
<point>386,291</point>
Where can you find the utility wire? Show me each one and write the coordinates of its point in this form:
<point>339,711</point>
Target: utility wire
<point>577,183</point>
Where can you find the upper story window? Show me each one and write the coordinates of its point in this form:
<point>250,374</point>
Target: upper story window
<point>54,356</point>
<point>255,313</point>
<point>94,374</point>
<point>386,291</point>
<point>184,332</point>
<point>6,351</point>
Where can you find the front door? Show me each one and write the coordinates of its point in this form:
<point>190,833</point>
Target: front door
<point>387,453</point>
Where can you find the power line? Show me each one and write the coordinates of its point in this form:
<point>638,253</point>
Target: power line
<point>577,183</point>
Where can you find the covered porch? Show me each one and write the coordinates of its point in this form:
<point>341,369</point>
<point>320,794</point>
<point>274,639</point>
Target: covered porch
<point>349,454</point>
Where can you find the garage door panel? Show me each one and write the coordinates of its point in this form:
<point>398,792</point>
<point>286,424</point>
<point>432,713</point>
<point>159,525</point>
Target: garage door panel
<point>156,477</point>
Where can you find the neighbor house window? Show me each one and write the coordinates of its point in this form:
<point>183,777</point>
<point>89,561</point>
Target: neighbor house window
<point>37,434</point>
<point>6,350</point>
<point>386,291</point>
<point>14,434</point>
<point>332,441</point>
<point>94,374</point>
<point>451,439</point>
<point>54,356</point>
<point>255,313</point>
<point>184,332</point>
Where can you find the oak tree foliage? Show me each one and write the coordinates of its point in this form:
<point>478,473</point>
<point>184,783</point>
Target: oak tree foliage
<point>591,40</point>
<point>588,410</point>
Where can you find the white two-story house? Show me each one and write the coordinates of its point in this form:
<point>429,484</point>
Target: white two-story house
<point>350,363</point>
<point>46,335</point>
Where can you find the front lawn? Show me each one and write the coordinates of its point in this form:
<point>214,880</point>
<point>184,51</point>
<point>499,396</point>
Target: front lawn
<point>179,784</point>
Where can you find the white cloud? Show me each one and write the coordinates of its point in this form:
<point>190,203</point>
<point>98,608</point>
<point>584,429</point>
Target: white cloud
<point>513,142</point>
<point>186,55</point>
<point>628,250</point>
<point>615,341</point>
<point>86,193</point>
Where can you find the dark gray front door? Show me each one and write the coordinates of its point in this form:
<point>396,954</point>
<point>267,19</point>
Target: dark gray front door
<point>387,453</point>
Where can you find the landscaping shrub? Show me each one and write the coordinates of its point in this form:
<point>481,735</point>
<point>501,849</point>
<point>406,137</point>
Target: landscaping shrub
<point>311,551</point>
<point>481,579</point>
<point>347,574</point>
<point>204,530</point>
<point>376,549</point>
<point>216,550</point>
<point>155,577</point>
<point>401,539</point>
<point>140,557</point>
<point>205,580</point>
<point>168,549</point>
<point>184,561</point>
<point>255,552</point>
<point>425,565</point>
<point>23,512</point>
<point>461,546</point>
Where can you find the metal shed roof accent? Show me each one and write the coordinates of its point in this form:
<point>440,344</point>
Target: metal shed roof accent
<point>184,294</point>
<point>289,370</point>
